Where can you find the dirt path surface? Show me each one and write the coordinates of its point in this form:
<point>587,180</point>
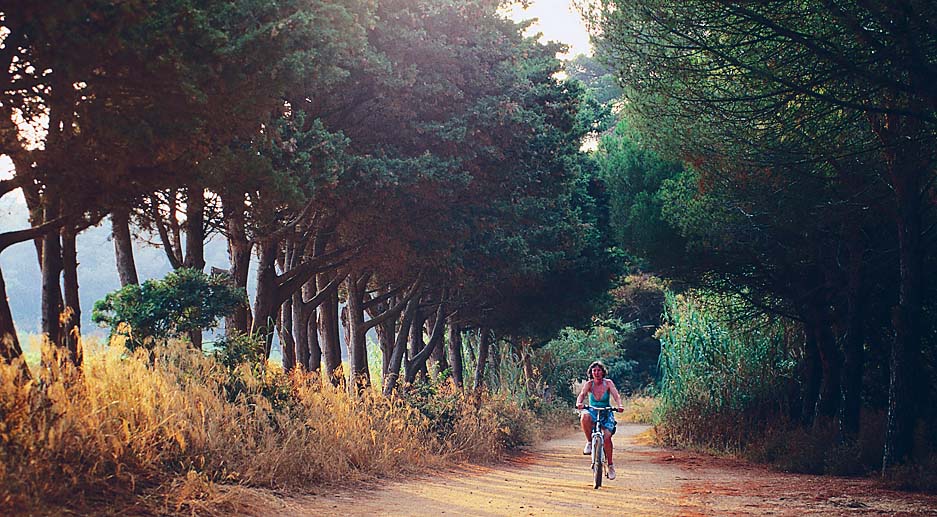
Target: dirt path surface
<point>554,479</point>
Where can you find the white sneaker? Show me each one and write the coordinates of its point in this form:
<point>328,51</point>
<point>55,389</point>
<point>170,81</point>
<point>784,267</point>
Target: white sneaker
<point>611,472</point>
<point>587,450</point>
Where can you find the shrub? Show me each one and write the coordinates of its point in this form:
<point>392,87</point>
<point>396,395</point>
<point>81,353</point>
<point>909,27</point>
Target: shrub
<point>719,385</point>
<point>564,359</point>
<point>183,301</point>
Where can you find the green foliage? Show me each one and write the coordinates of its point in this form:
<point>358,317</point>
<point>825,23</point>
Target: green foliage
<point>718,383</point>
<point>454,416</point>
<point>635,177</point>
<point>183,301</point>
<point>235,348</point>
<point>564,359</point>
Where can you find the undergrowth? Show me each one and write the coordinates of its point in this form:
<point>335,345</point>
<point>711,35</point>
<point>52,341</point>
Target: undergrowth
<point>172,428</point>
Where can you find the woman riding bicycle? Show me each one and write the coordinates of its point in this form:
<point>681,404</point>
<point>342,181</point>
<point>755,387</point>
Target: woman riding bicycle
<point>599,390</point>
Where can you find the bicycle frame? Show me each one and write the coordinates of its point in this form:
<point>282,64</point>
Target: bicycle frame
<point>599,461</point>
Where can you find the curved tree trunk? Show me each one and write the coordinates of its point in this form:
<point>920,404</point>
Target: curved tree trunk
<point>400,346</point>
<point>10,349</point>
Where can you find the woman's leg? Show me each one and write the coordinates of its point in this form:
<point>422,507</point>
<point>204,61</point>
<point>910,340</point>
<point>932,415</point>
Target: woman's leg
<point>608,445</point>
<point>585,420</point>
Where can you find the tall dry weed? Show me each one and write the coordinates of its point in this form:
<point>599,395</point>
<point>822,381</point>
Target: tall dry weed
<point>177,424</point>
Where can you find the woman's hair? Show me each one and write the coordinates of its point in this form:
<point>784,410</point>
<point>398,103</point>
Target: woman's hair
<point>593,365</point>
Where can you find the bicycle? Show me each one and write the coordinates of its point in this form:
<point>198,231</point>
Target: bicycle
<point>599,461</point>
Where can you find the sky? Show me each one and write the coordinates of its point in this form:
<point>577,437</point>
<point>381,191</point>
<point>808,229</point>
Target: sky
<point>558,21</point>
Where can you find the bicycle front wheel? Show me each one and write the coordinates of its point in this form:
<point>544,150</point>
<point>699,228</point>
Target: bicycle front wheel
<point>598,465</point>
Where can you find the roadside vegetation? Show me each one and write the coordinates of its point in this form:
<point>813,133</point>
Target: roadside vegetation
<point>172,428</point>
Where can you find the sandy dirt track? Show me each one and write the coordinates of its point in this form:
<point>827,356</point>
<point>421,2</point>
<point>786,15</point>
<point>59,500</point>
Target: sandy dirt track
<point>554,479</point>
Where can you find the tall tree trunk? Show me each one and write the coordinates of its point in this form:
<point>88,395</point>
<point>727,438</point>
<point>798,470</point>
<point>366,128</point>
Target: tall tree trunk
<point>400,346</point>
<point>831,365</point>
<point>357,338</point>
<point>328,331</point>
<point>195,228</point>
<point>72,313</point>
<point>439,354</point>
<point>455,352</point>
<point>265,306</point>
<point>300,321</point>
<point>123,247</point>
<point>412,370</point>
<point>195,241</point>
<point>10,349</point>
<point>417,364</point>
<point>494,358</point>
<point>905,357</point>
<point>34,204</point>
<point>315,345</point>
<point>813,372</point>
<point>287,342</point>
<point>852,342</point>
<point>907,164</point>
<point>484,346</point>
<point>51,274</point>
<point>239,253</point>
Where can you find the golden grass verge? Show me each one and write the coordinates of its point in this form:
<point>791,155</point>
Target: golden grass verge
<point>173,431</point>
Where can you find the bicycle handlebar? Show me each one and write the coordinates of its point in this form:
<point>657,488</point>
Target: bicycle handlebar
<point>619,409</point>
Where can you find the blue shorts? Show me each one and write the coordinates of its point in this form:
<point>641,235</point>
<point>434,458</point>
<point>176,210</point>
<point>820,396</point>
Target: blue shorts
<point>608,419</point>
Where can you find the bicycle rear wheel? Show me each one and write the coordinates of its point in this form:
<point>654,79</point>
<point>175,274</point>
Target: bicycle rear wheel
<point>598,465</point>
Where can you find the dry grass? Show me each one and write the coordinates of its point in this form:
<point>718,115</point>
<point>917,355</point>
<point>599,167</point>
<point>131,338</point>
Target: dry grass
<point>639,409</point>
<point>174,431</point>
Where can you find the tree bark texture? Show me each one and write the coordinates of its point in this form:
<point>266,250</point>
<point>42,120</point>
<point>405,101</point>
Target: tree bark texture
<point>853,360</point>
<point>72,314</point>
<point>400,346</point>
<point>813,372</point>
<point>484,346</point>
<point>328,329</point>
<point>51,274</point>
<point>195,228</point>
<point>905,357</point>
<point>265,306</point>
<point>356,331</point>
<point>10,349</point>
<point>285,333</point>
<point>123,247</point>
<point>239,254</point>
<point>455,353</point>
<point>416,365</point>
<point>439,356</point>
<point>831,366</point>
<point>903,157</point>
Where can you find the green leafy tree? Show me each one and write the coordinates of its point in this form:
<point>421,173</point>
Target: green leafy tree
<point>183,301</point>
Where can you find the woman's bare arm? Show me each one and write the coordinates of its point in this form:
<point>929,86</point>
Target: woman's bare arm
<point>582,394</point>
